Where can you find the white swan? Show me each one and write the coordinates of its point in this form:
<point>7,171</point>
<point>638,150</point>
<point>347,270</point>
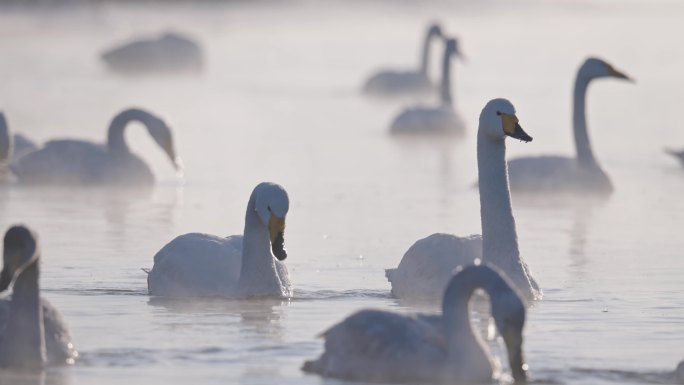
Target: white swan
<point>403,83</point>
<point>168,53</point>
<point>380,346</point>
<point>441,119</point>
<point>559,174</point>
<point>12,147</point>
<point>199,265</point>
<point>68,162</point>
<point>32,332</point>
<point>425,269</point>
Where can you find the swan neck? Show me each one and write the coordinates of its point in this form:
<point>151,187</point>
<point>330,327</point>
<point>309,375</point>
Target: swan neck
<point>23,342</point>
<point>585,155</point>
<point>445,88</point>
<point>115,135</point>
<point>499,237</point>
<point>258,265</point>
<point>5,142</point>
<point>425,53</point>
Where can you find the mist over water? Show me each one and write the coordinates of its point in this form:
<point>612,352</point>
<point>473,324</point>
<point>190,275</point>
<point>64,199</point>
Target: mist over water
<point>279,100</point>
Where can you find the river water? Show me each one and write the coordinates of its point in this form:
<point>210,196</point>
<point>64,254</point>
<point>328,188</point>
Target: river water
<point>279,101</point>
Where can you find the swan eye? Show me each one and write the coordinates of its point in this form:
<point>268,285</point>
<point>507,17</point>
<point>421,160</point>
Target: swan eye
<point>498,113</point>
<point>269,208</point>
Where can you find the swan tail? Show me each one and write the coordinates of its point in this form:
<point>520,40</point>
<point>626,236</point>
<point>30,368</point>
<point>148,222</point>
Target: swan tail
<point>146,270</point>
<point>309,366</point>
<point>389,274</point>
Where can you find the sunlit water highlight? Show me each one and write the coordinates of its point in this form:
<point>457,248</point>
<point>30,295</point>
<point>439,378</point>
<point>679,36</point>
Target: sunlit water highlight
<point>279,101</point>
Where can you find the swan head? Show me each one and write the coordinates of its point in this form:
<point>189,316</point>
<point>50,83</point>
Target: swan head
<point>435,30</point>
<point>20,251</point>
<point>453,48</point>
<point>271,205</point>
<point>594,68</point>
<point>161,133</point>
<point>508,311</point>
<point>5,141</point>
<point>499,120</point>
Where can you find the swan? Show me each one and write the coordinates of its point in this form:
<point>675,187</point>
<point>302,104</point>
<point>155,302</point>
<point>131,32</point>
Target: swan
<point>426,267</point>
<point>32,332</point>
<point>170,52</point>
<point>381,346</point>
<point>239,266</point>
<point>68,162</point>
<point>440,119</point>
<point>12,147</point>
<point>401,83</point>
<point>559,174</point>
<point>679,373</point>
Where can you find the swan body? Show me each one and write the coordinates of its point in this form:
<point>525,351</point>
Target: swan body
<point>69,162</point>
<point>427,263</point>
<point>405,83</point>
<point>239,266</point>
<point>380,346</point>
<point>440,119</point>
<point>169,53</point>
<point>557,174</point>
<point>32,332</point>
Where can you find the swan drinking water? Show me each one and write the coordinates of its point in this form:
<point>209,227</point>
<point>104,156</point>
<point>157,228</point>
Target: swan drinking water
<point>380,346</point>
<point>426,267</point>
<point>32,332</point>
<point>239,266</point>
<point>68,162</point>
<point>559,174</point>
<point>439,119</point>
<point>400,83</point>
<point>170,52</point>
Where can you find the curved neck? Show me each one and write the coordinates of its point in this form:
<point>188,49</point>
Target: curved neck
<point>585,155</point>
<point>23,341</point>
<point>425,58</point>
<point>499,237</point>
<point>115,134</point>
<point>258,274</point>
<point>445,86</point>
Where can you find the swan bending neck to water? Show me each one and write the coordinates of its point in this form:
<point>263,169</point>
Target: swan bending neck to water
<point>200,265</point>
<point>406,83</point>
<point>425,268</point>
<point>80,162</point>
<point>439,119</point>
<point>374,345</point>
<point>562,174</point>
<point>22,342</point>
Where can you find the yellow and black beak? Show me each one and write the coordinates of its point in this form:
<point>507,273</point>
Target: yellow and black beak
<point>512,128</point>
<point>276,230</point>
<point>513,342</point>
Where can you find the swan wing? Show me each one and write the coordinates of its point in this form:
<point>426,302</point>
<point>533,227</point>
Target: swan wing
<point>196,265</point>
<point>374,345</point>
<point>427,266</point>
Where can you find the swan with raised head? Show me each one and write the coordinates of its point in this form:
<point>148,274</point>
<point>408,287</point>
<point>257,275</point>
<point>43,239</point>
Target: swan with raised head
<point>32,332</point>
<point>440,119</point>
<point>560,174</point>
<point>425,269</point>
<point>239,266</point>
<point>169,53</point>
<point>406,83</point>
<point>380,346</point>
<point>69,162</point>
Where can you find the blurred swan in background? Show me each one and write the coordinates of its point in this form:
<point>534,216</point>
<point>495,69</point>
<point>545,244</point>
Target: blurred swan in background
<point>68,162</point>
<point>168,53</point>
<point>239,266</point>
<point>32,332</point>
<point>558,174</point>
<point>381,346</point>
<point>12,147</point>
<point>426,267</point>
<point>679,373</point>
<point>402,83</point>
<point>440,119</point>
